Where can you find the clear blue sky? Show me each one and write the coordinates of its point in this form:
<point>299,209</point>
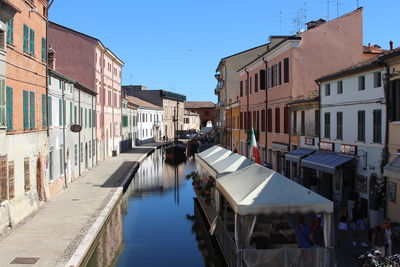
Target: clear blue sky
<point>176,45</point>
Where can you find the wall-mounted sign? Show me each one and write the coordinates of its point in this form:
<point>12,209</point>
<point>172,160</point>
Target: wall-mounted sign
<point>348,149</point>
<point>326,146</point>
<point>310,141</point>
<point>76,128</point>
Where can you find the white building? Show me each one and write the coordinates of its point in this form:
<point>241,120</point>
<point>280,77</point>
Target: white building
<point>353,116</point>
<point>191,121</point>
<point>150,121</point>
<point>129,125</point>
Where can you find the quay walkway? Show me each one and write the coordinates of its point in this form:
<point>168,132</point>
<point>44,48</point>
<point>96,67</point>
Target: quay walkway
<point>62,230</point>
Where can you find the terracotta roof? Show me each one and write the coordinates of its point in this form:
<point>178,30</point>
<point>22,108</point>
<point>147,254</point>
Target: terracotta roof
<point>361,66</point>
<point>141,103</point>
<point>199,104</point>
<point>311,96</point>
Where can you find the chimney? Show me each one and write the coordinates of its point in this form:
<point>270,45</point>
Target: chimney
<point>316,23</point>
<point>51,58</point>
<point>391,45</point>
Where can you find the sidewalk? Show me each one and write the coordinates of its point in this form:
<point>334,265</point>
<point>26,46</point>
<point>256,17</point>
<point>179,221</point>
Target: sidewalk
<point>53,234</point>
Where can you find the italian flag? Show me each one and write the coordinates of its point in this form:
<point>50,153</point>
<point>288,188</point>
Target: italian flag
<point>254,152</point>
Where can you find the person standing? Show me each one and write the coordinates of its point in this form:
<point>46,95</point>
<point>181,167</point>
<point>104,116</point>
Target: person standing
<point>303,233</point>
<point>378,238</point>
<point>388,238</point>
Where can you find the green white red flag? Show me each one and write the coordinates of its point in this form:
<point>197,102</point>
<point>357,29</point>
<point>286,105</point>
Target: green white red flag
<point>254,152</point>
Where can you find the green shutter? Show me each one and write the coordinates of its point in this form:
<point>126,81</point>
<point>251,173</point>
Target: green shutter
<point>10,31</point>
<point>74,114</point>
<point>59,112</point>
<point>31,41</point>
<point>25,109</point>
<point>50,111</point>
<point>70,113</point>
<point>26,39</point>
<point>9,108</point>
<point>2,102</point>
<point>90,118</point>
<point>44,50</point>
<point>32,109</point>
<point>44,120</point>
<point>64,113</point>
<point>85,118</point>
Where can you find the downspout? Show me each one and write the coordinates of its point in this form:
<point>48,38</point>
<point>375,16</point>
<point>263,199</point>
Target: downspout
<point>80,123</point>
<point>248,114</point>
<point>63,130</point>
<point>92,132</point>
<point>319,111</point>
<point>266,110</point>
<point>112,108</point>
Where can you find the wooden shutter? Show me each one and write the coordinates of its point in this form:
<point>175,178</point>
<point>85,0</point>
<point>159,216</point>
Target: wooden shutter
<point>3,178</point>
<point>377,126</point>
<point>70,113</point>
<point>9,108</point>
<point>286,70</point>
<point>44,50</point>
<point>286,120</point>
<point>59,112</point>
<point>50,111</point>
<point>31,41</point>
<point>361,125</point>
<point>294,130</point>
<point>11,179</point>
<point>44,120</point>
<point>25,109</point>
<point>256,82</point>
<point>339,125</point>
<point>26,175</point>
<point>10,31</point>
<point>262,79</point>
<point>277,120</point>
<point>280,73</point>
<point>269,120</point>
<point>327,125</point>
<point>26,39</point>
<point>2,103</point>
<point>32,109</point>
<point>303,122</point>
<point>317,123</point>
<point>263,120</point>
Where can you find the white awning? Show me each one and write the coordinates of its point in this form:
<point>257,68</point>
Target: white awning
<point>256,190</point>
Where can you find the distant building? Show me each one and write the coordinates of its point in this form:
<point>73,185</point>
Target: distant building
<point>205,109</point>
<point>129,125</point>
<point>191,121</point>
<point>172,104</point>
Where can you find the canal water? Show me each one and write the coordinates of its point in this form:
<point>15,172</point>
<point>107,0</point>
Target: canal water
<point>153,225</point>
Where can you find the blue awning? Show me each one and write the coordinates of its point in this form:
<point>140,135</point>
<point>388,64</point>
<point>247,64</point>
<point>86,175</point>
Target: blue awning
<point>298,154</point>
<point>325,162</point>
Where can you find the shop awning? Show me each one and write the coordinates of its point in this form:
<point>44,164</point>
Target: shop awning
<point>325,162</point>
<point>392,169</point>
<point>298,154</point>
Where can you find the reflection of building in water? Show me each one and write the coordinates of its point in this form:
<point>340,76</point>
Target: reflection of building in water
<point>110,242</point>
<point>154,174</point>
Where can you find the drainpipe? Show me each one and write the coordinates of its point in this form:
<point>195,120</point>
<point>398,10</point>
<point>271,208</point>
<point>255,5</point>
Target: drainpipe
<point>80,122</point>
<point>266,110</point>
<point>63,131</point>
<point>386,92</point>
<point>248,114</point>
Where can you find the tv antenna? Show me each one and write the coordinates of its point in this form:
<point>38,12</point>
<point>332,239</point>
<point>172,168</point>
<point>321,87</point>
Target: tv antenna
<point>337,7</point>
<point>358,3</point>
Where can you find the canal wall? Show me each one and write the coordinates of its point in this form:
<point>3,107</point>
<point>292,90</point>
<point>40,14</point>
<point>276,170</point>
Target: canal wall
<point>82,253</point>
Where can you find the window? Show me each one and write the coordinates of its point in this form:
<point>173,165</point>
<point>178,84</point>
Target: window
<point>25,109</point>
<point>316,117</point>
<point>81,117</point>
<point>81,152</point>
<point>361,126</point>
<point>339,125</point>
<point>251,85</point>
<point>75,114</point>
<point>394,100</point>
<point>269,77</point>
<point>26,39</point>
<point>277,120</point>
<point>269,122</point>
<point>327,125</point>
<point>31,42</point>
<point>9,111</point>
<point>3,178</point>
<point>286,70</point>
<point>90,118</point>
<point>256,82</point>
<point>94,118</point>
<point>124,121</point>
<point>44,110</point>
<point>76,155</point>
<point>241,88</point>
<point>44,50</point>
<point>262,80</point>
<point>263,120</point>
<point>286,117</point>
<point>85,118</point>
<point>32,109</point>
<point>94,147</point>
<point>377,79</point>
<point>10,31</point>
<point>59,112</point>
<point>50,122</point>
<point>361,83</point>
<point>303,122</point>
<point>377,138</point>
<point>327,89</point>
<point>90,149</point>
<point>61,161</point>
<point>27,182</point>
<point>11,179</point>
<point>339,87</point>
<point>295,121</point>
<point>2,103</point>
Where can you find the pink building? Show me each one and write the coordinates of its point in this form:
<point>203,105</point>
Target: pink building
<point>86,60</point>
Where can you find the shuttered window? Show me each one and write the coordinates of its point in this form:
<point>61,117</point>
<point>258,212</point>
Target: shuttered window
<point>11,179</point>
<point>124,121</point>
<point>241,88</point>
<point>3,178</point>
<point>277,120</point>
<point>327,89</point>
<point>286,117</point>
<point>251,85</point>
<point>25,109</point>
<point>76,155</point>
<point>2,104</point>
<point>94,118</point>
<point>394,100</point>
<point>303,122</point>
<point>286,70</point>
<point>377,138</point>
<point>361,83</point>
<point>280,73</point>
<point>70,113</point>
<point>90,118</point>
<point>27,181</point>
<point>44,50</point>
<point>327,127</point>
<point>256,82</point>
<point>262,79</point>
<point>31,41</point>
<point>26,39</point>
<point>50,113</point>
<point>340,87</point>
<point>294,122</point>
<point>317,123</point>
<point>85,118</point>
<point>44,110</point>
<point>377,79</point>
<point>263,120</point>
<point>32,109</point>
<point>241,120</point>
<point>10,31</point>
<point>9,111</point>
<point>339,125</point>
<point>269,122</point>
<point>59,112</point>
<point>361,126</point>
<point>51,164</point>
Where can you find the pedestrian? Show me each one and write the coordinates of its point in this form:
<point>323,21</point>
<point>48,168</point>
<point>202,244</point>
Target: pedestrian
<point>318,233</point>
<point>388,238</point>
<point>358,225</point>
<point>303,233</point>
<point>378,238</point>
<point>342,228</point>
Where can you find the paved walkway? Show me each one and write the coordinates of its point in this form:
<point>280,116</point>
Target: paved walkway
<point>57,229</point>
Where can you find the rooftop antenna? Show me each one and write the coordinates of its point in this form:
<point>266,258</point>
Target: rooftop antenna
<point>280,22</point>
<point>358,3</point>
<point>337,7</point>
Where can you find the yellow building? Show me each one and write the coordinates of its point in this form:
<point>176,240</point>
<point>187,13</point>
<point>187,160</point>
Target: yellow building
<point>232,126</point>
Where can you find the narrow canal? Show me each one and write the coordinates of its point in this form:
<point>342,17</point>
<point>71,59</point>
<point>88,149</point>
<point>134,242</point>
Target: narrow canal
<point>153,225</point>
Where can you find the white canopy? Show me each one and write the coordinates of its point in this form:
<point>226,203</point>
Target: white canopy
<point>257,190</point>
<point>219,161</point>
